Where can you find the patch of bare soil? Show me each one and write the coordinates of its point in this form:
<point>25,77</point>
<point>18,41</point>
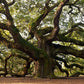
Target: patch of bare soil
<point>26,80</point>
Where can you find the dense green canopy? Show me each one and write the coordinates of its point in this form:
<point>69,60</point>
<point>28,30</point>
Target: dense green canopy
<point>44,38</point>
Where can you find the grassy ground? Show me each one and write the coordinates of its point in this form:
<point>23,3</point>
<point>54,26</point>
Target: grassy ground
<point>27,80</point>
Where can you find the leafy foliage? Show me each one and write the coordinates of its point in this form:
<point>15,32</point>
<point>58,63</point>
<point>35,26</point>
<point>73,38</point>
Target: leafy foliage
<point>47,33</point>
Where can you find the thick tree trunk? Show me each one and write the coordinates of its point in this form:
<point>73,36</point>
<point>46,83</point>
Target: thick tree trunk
<point>46,68</point>
<point>46,64</point>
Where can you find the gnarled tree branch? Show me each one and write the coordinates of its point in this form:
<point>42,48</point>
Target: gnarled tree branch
<point>62,70</point>
<point>56,21</point>
<point>68,50</point>
<point>71,40</point>
<point>38,20</point>
<point>69,66</point>
<point>74,28</point>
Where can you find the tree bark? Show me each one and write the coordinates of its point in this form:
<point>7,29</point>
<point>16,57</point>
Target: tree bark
<point>46,68</point>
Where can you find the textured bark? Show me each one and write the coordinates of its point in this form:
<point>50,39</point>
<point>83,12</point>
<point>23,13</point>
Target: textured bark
<point>46,68</point>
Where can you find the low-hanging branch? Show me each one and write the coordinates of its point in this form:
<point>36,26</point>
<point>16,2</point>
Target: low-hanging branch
<point>20,43</point>
<point>16,46</point>
<point>69,66</point>
<point>63,38</point>
<point>62,70</point>
<point>76,74</point>
<point>73,29</point>
<point>68,50</point>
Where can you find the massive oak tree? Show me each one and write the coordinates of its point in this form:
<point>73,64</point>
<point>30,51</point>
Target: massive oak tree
<point>47,31</point>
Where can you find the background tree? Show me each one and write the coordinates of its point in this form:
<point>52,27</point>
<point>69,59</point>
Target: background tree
<point>49,32</point>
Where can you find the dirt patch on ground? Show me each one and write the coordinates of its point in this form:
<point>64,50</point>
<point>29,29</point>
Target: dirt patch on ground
<point>26,80</point>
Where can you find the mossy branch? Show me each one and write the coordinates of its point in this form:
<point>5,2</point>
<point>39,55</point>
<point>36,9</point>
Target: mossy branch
<point>68,66</point>
<point>62,70</point>
<point>76,74</point>
<point>68,50</point>
<point>67,39</point>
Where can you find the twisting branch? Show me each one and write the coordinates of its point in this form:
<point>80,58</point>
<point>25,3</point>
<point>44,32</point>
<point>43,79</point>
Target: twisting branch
<point>69,66</point>
<point>56,21</point>
<point>68,50</point>
<point>21,44</point>
<point>10,25</point>
<point>71,40</point>
<point>12,29</point>
<point>38,20</point>
<point>62,70</point>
